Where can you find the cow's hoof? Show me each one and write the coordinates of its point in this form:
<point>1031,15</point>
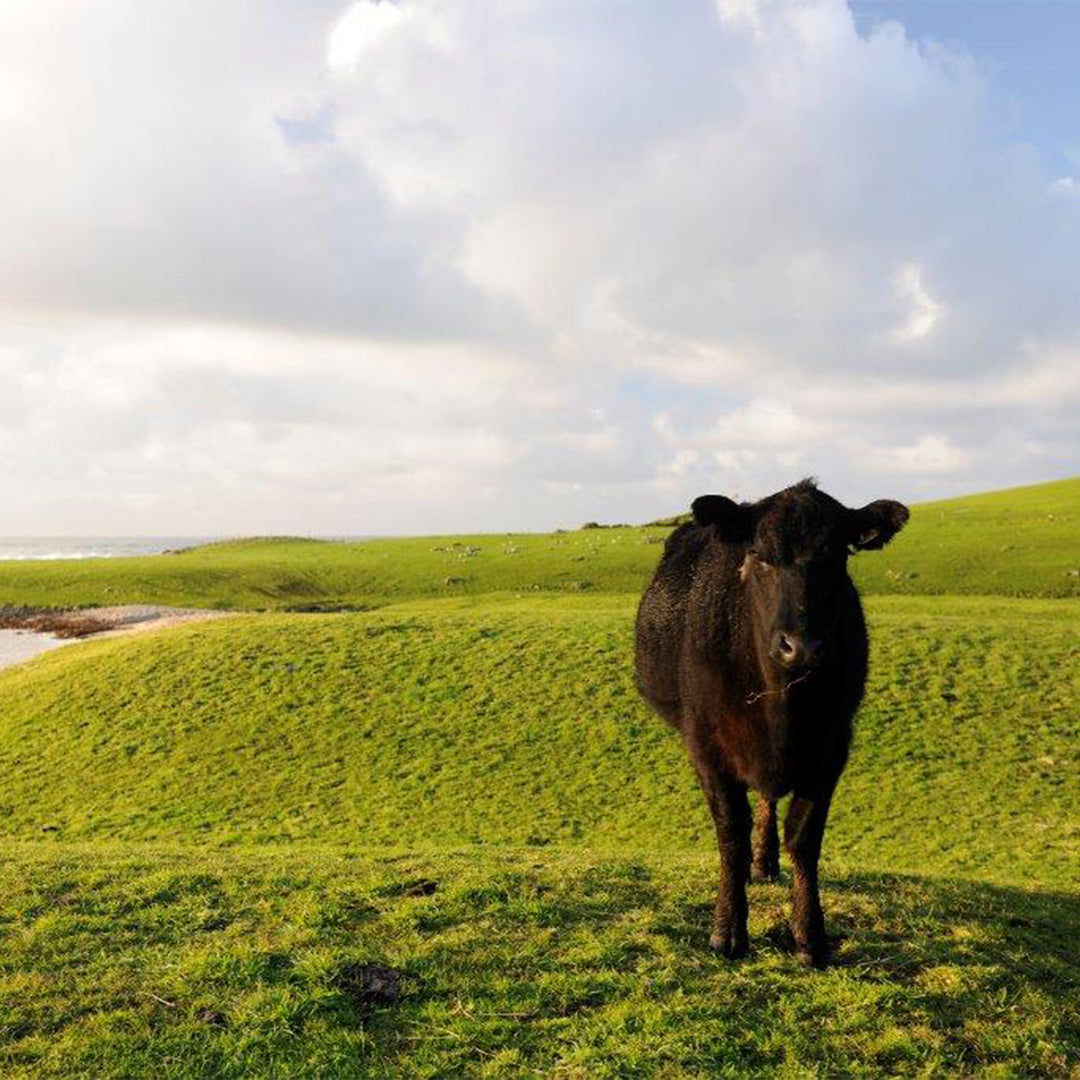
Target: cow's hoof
<point>813,956</point>
<point>730,942</point>
<point>761,875</point>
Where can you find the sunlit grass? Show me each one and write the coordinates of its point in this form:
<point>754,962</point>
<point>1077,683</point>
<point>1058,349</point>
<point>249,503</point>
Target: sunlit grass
<point>1016,543</point>
<point>517,722</point>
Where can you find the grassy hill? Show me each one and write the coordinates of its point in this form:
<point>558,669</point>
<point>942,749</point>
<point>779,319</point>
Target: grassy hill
<point>444,838</point>
<point>1018,542</point>
<point>517,723</point>
<point>1024,542</point>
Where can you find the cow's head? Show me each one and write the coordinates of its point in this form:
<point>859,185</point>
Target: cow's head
<point>795,546</point>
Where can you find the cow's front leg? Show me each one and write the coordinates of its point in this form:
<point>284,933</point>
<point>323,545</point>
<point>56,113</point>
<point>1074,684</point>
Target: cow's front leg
<point>731,817</point>
<point>804,828</point>
<point>766,845</point>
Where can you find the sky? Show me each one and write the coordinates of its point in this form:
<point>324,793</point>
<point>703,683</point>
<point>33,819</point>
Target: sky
<point>302,266</point>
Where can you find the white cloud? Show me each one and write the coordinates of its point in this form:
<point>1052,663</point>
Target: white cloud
<point>924,312</point>
<point>362,29</point>
<point>1048,381</point>
<point>777,200</point>
<point>198,421</point>
<point>673,474</point>
<point>930,454</point>
<point>306,264</point>
<point>767,423</point>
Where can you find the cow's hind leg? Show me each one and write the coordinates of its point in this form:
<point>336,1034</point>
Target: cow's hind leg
<point>731,817</point>
<point>766,843</point>
<point>804,828</point>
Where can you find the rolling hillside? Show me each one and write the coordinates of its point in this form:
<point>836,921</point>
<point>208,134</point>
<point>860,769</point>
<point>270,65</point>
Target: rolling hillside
<point>1024,542</point>
<point>517,723</point>
<point>443,837</point>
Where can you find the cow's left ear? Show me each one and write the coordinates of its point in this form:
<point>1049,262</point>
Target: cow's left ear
<point>876,524</point>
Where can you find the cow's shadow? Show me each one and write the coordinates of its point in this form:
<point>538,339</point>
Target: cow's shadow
<point>957,948</point>
<point>1026,933</point>
<point>895,927</point>
<point>886,926</point>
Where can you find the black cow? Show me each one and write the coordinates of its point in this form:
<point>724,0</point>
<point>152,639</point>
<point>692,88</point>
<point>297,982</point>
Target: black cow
<point>751,642</point>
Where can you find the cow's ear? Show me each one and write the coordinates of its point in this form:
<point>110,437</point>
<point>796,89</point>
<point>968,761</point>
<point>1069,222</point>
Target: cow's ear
<point>733,522</point>
<point>876,524</point>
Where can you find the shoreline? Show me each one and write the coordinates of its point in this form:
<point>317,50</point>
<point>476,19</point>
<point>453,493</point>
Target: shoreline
<point>28,632</point>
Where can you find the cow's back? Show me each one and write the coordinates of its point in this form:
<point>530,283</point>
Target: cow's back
<point>661,620</point>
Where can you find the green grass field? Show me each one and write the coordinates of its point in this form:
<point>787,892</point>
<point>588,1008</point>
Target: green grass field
<point>216,839</point>
<point>142,963</point>
<point>1024,542</point>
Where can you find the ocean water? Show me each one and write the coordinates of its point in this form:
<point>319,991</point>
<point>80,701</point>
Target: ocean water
<point>92,547</point>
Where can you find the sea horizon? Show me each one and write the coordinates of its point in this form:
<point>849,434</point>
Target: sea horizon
<point>54,548</point>
<point>51,548</point>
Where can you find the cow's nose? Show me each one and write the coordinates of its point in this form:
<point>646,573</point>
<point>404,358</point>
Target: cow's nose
<point>785,648</point>
<point>792,650</point>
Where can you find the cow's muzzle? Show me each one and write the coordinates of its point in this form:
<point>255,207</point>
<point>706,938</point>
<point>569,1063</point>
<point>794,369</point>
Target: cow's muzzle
<point>796,652</point>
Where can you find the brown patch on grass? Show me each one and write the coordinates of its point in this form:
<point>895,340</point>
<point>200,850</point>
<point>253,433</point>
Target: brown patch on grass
<point>371,984</point>
<point>84,622</point>
<point>59,623</point>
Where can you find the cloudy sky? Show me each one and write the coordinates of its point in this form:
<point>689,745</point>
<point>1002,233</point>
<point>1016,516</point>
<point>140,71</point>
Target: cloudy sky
<point>313,266</point>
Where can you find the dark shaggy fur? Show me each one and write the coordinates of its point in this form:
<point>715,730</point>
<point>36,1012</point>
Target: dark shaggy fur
<point>751,642</point>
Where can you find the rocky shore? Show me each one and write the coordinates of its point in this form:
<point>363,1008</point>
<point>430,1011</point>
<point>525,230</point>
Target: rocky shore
<point>26,632</point>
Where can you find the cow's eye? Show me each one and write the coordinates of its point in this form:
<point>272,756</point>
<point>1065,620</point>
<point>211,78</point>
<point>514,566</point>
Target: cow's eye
<point>763,563</point>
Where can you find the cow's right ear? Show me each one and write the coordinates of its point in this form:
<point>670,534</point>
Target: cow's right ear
<point>733,522</point>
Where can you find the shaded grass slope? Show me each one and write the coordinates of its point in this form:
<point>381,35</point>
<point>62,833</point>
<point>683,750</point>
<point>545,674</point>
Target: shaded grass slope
<point>517,723</point>
<point>553,964</point>
<point>1021,542</point>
